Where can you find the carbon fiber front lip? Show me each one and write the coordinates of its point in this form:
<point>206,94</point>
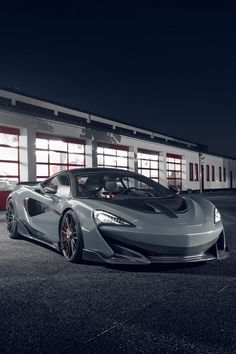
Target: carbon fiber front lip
<point>188,259</point>
<point>94,256</point>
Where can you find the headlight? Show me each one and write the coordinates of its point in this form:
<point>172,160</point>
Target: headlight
<point>217,216</point>
<point>103,218</point>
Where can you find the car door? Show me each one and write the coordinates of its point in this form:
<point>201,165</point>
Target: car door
<point>44,208</point>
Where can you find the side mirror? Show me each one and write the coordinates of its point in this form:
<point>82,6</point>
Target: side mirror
<point>173,189</point>
<point>51,189</point>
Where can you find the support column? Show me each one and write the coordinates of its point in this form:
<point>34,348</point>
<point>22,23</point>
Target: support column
<point>184,173</point>
<point>91,153</point>
<point>27,150</point>
<point>162,169</point>
<point>133,158</point>
<point>201,172</point>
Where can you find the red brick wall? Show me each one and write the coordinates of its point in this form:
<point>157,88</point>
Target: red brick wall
<point>3,199</point>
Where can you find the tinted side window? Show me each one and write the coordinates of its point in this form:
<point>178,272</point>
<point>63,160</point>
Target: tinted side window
<point>46,183</point>
<point>63,184</point>
<point>64,180</point>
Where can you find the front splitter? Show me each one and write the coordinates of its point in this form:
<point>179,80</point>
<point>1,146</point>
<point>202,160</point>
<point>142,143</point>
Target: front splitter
<point>94,256</point>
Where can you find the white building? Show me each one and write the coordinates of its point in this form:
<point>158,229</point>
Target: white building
<point>38,138</point>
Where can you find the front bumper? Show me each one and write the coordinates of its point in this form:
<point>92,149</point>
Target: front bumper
<point>134,254</point>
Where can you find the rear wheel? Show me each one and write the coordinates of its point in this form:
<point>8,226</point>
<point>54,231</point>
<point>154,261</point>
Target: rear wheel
<point>11,220</point>
<point>71,238</point>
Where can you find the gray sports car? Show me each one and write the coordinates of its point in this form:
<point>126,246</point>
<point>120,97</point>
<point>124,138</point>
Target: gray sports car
<point>115,216</point>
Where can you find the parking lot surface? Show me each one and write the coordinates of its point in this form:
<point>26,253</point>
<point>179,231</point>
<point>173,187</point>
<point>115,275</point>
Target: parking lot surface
<point>48,305</point>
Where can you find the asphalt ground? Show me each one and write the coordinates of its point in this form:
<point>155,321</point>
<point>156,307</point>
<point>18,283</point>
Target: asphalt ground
<point>48,305</point>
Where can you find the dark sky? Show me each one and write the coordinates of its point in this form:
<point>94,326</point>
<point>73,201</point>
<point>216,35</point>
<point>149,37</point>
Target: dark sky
<point>168,65</point>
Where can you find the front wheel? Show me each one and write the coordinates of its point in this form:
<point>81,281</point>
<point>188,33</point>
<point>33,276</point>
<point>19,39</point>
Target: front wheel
<point>71,239</point>
<point>11,220</point>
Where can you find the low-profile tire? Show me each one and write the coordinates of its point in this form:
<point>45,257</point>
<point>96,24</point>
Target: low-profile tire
<point>71,238</point>
<point>11,220</point>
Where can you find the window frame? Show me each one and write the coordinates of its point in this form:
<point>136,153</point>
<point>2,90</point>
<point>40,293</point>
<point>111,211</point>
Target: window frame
<point>208,173</point>
<point>220,174</point>
<point>179,157</point>
<point>213,173</point>
<point>116,149</point>
<point>67,164</point>
<point>191,174</point>
<point>224,174</point>
<point>150,169</point>
<point>196,170</point>
<point>16,132</point>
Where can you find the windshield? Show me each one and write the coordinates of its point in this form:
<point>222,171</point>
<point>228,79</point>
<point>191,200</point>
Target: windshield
<point>118,185</point>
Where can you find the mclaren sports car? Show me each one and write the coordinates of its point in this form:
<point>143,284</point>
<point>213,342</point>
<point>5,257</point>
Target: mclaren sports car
<point>117,217</point>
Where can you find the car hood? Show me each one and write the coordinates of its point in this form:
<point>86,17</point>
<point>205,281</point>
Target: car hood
<point>175,210</point>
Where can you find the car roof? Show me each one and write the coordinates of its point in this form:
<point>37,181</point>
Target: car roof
<point>98,169</point>
<point>76,171</point>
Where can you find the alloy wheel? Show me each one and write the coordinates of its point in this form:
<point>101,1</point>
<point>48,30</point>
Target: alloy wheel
<point>69,236</point>
<point>11,218</point>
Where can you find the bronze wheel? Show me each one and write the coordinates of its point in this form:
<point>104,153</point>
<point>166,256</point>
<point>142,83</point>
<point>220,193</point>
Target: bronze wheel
<point>71,237</point>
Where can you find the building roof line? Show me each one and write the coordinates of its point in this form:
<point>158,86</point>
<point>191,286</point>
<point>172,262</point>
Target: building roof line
<point>16,96</point>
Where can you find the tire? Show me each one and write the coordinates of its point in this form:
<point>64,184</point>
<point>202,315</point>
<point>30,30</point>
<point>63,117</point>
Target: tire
<point>11,220</point>
<point>71,238</point>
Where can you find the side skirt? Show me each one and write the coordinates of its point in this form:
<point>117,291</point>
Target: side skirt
<point>24,231</point>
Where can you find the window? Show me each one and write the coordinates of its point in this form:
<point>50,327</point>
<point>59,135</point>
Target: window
<point>112,156</point>
<point>196,172</point>
<point>118,185</point>
<point>208,173</point>
<point>224,174</point>
<point>220,174</point>
<point>213,173</point>
<point>54,154</point>
<point>63,185</point>
<point>148,164</point>
<point>9,158</point>
<point>191,171</point>
<point>174,170</point>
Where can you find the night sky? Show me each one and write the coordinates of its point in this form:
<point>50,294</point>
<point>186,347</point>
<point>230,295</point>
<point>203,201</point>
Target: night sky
<point>169,66</point>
